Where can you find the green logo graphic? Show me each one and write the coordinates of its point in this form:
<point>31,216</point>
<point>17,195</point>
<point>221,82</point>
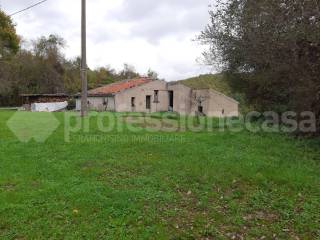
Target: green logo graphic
<point>38,126</point>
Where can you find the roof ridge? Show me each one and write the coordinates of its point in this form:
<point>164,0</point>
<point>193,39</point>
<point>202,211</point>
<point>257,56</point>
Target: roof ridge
<point>119,86</point>
<point>123,81</point>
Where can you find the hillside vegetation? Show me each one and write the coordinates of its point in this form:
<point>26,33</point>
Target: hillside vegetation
<point>213,81</point>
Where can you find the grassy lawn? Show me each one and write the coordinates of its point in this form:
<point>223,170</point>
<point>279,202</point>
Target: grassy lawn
<point>157,185</point>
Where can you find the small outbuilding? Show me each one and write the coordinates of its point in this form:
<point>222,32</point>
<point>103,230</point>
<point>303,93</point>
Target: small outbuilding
<point>44,102</point>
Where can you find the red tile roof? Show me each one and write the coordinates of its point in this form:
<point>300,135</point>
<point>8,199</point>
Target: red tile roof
<point>118,87</point>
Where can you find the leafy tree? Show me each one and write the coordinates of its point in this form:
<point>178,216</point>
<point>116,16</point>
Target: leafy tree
<point>128,72</point>
<point>47,47</point>
<point>272,50</point>
<point>9,46</point>
<point>9,40</point>
<point>49,60</point>
<point>105,75</point>
<point>38,71</point>
<point>152,74</point>
<point>71,76</point>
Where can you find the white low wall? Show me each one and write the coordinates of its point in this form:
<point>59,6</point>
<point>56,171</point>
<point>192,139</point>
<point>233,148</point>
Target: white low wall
<point>48,107</point>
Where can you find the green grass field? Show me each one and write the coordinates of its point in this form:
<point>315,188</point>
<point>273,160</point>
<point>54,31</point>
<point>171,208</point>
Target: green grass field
<point>156,185</point>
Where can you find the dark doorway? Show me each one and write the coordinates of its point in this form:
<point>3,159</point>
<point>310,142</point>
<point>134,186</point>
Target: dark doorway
<point>200,109</point>
<point>148,102</point>
<point>156,96</point>
<point>133,104</point>
<point>170,100</point>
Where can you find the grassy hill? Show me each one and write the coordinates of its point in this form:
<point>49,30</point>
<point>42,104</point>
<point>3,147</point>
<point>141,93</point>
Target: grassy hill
<point>214,81</point>
<point>140,184</point>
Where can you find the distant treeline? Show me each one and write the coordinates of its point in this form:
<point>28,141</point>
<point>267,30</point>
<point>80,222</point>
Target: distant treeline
<point>42,67</point>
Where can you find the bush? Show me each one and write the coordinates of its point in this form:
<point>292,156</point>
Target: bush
<point>71,104</point>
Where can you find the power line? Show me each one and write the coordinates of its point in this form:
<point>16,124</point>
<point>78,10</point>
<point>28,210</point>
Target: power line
<point>27,8</point>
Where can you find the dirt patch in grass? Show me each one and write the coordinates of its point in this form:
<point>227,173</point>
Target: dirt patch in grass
<point>8,187</point>
<point>154,123</point>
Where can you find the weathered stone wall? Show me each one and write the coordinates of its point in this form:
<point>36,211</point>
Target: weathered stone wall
<point>181,98</point>
<point>98,104</point>
<point>123,99</point>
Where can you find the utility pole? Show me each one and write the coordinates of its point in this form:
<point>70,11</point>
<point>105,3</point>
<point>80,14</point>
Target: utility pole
<point>84,95</point>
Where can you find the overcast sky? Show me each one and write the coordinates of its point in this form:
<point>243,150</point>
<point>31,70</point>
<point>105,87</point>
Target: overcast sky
<point>153,34</point>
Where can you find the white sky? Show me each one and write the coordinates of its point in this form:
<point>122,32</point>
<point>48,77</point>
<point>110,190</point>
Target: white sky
<point>153,34</point>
